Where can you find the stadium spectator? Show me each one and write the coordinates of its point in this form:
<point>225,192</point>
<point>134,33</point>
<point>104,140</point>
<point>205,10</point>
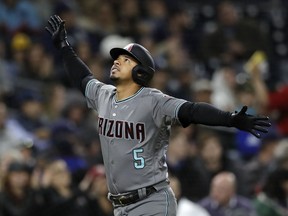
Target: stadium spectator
<point>17,198</point>
<point>271,101</point>
<point>67,146</point>
<point>29,118</point>
<point>39,66</point>
<point>160,79</point>
<point>44,9</point>
<point>58,193</point>
<point>68,13</point>
<point>94,184</point>
<point>12,136</point>
<point>213,158</point>
<point>272,201</point>
<point>156,17</point>
<point>202,90</point>
<point>281,154</point>
<point>19,47</point>
<point>223,84</point>
<point>55,95</point>
<point>5,160</point>
<point>180,161</point>
<point>6,79</point>
<point>231,39</point>
<point>223,199</point>
<point>128,17</point>
<point>185,206</point>
<point>18,16</point>
<point>260,166</point>
<point>176,32</point>
<point>279,107</point>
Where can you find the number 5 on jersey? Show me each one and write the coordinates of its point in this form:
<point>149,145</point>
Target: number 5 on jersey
<point>139,161</point>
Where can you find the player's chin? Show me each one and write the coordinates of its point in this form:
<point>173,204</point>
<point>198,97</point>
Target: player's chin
<point>114,78</point>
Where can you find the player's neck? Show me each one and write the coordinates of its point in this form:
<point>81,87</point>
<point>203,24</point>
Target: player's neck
<point>124,91</point>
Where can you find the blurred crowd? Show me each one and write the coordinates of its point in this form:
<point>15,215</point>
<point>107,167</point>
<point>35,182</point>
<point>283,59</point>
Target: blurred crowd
<point>226,53</point>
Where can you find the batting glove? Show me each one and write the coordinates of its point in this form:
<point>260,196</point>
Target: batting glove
<point>57,31</point>
<point>250,123</point>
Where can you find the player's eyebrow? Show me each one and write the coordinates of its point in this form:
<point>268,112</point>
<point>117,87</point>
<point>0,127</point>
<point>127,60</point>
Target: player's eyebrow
<point>131,58</point>
<point>127,56</point>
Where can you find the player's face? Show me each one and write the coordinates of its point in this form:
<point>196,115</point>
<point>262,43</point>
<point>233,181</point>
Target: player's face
<point>122,68</point>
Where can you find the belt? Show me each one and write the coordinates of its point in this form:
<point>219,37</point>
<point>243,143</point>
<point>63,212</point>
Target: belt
<point>131,197</point>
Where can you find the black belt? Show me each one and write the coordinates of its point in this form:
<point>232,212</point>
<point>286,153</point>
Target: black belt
<point>130,197</point>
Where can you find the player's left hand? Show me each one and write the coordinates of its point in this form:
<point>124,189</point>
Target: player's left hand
<point>250,123</point>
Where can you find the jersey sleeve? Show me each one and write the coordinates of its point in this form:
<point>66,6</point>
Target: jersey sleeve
<point>92,92</point>
<point>165,106</point>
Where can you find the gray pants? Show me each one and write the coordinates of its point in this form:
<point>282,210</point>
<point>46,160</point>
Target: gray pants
<point>160,203</point>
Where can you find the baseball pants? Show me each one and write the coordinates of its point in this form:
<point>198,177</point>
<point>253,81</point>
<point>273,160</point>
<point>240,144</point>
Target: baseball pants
<point>160,203</point>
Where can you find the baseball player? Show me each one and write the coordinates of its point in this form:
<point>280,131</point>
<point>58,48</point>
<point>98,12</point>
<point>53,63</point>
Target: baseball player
<point>134,124</point>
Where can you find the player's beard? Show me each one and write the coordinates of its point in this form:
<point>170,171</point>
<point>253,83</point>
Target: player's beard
<point>114,79</point>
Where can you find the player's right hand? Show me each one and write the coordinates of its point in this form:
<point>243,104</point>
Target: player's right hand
<point>57,30</point>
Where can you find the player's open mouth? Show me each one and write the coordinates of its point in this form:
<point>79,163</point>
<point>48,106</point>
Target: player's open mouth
<point>114,69</point>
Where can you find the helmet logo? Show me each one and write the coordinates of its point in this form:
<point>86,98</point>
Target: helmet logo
<point>128,47</point>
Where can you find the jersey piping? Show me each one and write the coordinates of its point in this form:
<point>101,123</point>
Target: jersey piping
<point>129,98</point>
<point>177,109</point>
<point>167,202</point>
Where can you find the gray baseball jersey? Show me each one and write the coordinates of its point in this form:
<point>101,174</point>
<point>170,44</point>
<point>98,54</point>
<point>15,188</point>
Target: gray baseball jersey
<point>134,134</point>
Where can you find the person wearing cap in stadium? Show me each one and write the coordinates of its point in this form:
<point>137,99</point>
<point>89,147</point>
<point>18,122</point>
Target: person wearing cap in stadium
<point>134,124</point>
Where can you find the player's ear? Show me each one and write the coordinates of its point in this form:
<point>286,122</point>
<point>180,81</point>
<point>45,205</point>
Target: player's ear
<point>142,75</point>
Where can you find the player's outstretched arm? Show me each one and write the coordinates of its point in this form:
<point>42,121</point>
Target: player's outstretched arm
<point>76,68</point>
<point>203,113</point>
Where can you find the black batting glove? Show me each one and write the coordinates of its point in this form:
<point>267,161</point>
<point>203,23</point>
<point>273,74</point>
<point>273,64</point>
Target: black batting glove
<point>250,123</point>
<point>57,30</point>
